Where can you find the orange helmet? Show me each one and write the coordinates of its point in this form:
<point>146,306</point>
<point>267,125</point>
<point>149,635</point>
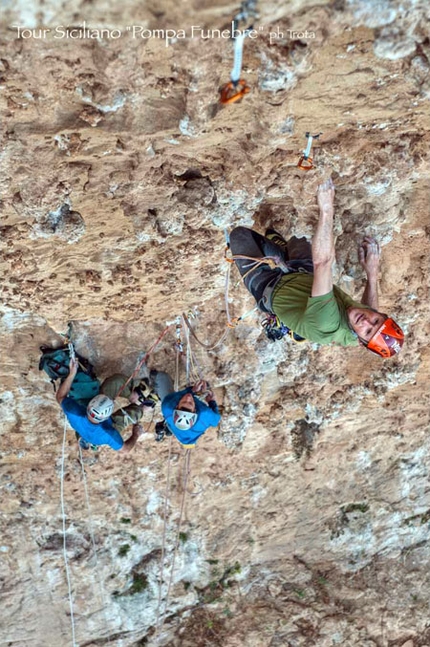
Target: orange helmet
<point>388,340</point>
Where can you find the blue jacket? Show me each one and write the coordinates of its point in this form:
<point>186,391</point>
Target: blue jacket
<point>208,416</point>
<point>103,433</point>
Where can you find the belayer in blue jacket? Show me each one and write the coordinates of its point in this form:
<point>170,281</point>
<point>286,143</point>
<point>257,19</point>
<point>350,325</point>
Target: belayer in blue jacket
<point>186,416</point>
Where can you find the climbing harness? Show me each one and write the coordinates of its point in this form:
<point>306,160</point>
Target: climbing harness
<point>306,162</point>
<point>272,325</point>
<point>275,329</point>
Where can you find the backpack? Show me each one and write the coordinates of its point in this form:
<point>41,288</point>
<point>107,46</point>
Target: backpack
<point>55,363</point>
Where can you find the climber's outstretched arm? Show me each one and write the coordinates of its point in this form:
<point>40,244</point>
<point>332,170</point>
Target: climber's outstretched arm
<point>65,387</point>
<point>323,243</point>
<point>130,442</point>
<point>369,255</point>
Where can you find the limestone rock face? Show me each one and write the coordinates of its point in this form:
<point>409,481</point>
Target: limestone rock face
<point>306,514</point>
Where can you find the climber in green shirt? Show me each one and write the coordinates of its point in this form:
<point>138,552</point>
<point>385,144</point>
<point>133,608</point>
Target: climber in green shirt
<point>296,285</point>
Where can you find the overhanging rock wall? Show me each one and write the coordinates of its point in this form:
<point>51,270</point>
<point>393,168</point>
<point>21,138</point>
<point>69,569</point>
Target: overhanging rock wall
<point>307,514</point>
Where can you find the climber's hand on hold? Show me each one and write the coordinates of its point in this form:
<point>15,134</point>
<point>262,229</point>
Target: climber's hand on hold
<point>209,396</point>
<point>73,366</point>
<point>369,255</point>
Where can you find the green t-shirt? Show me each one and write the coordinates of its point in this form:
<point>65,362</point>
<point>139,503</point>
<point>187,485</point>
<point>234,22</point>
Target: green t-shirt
<point>318,319</point>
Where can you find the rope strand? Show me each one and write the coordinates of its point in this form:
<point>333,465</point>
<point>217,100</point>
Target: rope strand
<point>187,460</point>
<point>93,542</point>
<point>63,513</point>
<point>143,360</point>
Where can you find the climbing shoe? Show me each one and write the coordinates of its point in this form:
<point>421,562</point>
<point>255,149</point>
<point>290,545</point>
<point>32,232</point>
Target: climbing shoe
<point>84,445</point>
<point>276,238</point>
<point>162,431</point>
<point>147,397</point>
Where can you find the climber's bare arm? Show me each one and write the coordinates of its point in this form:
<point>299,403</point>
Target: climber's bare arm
<point>65,387</point>
<point>369,255</point>
<point>323,243</point>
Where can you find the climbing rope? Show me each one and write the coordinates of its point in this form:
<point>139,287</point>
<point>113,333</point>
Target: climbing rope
<point>93,542</point>
<point>158,623</point>
<point>187,462</point>
<point>63,513</point>
<point>163,543</point>
<point>206,346</point>
<point>143,360</point>
<point>193,371</point>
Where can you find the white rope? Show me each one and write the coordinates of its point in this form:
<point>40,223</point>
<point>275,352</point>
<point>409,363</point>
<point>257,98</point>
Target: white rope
<point>69,586</point>
<point>163,543</point>
<point>93,542</point>
<point>238,49</point>
<point>188,356</point>
<point>187,458</point>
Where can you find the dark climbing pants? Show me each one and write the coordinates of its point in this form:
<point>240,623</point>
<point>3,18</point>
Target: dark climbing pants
<point>296,255</point>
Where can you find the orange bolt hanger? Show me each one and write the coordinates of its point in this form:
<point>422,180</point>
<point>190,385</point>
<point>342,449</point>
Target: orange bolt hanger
<point>305,163</point>
<point>232,92</point>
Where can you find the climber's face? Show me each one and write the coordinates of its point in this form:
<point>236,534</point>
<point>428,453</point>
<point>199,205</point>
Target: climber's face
<point>186,403</point>
<point>365,322</point>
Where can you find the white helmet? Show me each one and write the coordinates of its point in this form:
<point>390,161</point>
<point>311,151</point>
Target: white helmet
<point>184,420</point>
<point>100,408</point>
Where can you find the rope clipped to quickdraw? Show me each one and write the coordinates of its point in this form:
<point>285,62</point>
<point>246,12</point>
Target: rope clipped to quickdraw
<point>63,515</point>
<point>237,87</point>
<point>306,162</point>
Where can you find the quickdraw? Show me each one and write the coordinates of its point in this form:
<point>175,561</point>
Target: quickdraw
<point>306,162</point>
<point>276,330</point>
<point>248,9</point>
<point>232,92</point>
<point>237,87</point>
<point>178,341</point>
<point>72,353</point>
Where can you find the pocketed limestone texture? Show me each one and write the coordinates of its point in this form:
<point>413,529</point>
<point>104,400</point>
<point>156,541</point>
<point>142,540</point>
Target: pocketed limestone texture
<point>307,513</point>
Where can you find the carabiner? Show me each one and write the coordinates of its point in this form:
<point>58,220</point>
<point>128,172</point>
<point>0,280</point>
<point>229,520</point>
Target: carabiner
<point>232,92</point>
<point>305,163</point>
